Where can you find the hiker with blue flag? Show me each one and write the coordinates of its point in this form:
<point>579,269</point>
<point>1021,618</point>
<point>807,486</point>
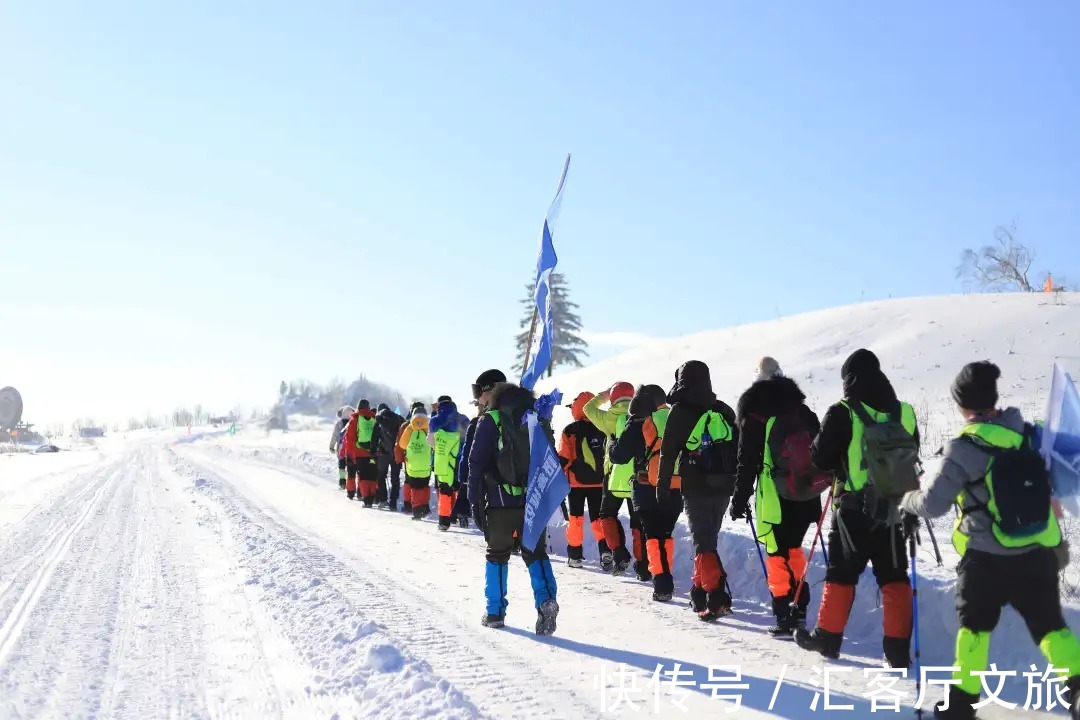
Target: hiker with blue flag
<point>499,458</point>
<point>1007,535</point>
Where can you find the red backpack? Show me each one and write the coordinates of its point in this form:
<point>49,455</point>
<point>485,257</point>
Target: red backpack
<point>787,455</point>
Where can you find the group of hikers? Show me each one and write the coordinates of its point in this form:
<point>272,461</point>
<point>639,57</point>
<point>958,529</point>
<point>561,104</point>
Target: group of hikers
<point>769,462</point>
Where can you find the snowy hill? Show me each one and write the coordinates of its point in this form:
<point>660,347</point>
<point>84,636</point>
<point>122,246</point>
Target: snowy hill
<point>922,343</point>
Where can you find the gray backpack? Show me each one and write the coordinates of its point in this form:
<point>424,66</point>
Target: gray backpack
<point>890,458</point>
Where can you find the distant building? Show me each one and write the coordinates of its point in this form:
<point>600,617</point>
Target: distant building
<point>91,432</point>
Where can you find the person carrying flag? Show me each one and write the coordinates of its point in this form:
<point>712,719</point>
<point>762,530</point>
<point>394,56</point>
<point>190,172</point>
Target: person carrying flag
<point>499,456</point>
<point>1007,535</point>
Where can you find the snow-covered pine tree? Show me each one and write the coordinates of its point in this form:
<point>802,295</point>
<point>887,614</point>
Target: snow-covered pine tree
<point>569,347</point>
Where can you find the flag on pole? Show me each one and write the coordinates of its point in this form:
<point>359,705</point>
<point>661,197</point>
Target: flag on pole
<point>545,265</point>
<point>548,485</point>
<point>1060,441</point>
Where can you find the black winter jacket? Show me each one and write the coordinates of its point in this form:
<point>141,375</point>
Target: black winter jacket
<point>763,400</point>
<point>863,382</point>
<point>691,397</point>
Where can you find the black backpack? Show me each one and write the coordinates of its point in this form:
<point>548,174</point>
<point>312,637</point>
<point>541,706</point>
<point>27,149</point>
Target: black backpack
<point>793,472</point>
<point>715,456</point>
<point>1020,484</point>
<point>595,441</point>
<point>387,426</point>
<point>513,455</point>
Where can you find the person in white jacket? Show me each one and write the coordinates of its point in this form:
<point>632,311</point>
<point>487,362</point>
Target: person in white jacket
<point>337,442</point>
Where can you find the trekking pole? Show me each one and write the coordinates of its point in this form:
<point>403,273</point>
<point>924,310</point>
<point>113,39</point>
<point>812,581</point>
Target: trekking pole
<point>915,623</point>
<point>933,541</point>
<point>817,537</point>
<point>753,529</point>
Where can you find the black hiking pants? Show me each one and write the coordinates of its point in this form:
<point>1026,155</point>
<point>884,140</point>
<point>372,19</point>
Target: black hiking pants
<point>500,525</point>
<point>387,466</point>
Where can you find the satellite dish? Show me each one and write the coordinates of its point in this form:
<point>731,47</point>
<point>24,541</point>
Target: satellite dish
<point>11,408</point>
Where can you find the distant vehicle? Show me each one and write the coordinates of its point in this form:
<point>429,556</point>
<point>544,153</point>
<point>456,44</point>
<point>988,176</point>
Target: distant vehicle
<point>46,449</point>
<point>91,432</point>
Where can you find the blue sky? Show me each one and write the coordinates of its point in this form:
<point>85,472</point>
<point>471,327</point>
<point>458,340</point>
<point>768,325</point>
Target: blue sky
<point>199,199</point>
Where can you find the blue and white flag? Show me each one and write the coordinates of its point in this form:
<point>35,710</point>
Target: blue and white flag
<point>548,485</point>
<point>1060,442</point>
<point>545,265</point>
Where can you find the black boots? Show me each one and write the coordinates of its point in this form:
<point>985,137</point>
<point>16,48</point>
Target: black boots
<point>823,642</point>
<point>897,652</point>
<point>959,706</point>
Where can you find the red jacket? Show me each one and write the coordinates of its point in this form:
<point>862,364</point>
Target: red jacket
<point>351,451</point>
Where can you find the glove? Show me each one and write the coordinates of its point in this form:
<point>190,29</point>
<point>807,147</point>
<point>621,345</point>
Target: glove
<point>663,493</point>
<point>545,404</point>
<point>740,510</point>
<point>1061,552</point>
<point>910,522</point>
<point>478,517</point>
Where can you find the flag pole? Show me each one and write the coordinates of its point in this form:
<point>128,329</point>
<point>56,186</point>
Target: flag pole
<point>529,343</point>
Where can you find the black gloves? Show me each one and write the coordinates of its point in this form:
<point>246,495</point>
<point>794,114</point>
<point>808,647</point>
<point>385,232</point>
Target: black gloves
<point>740,509</point>
<point>910,523</point>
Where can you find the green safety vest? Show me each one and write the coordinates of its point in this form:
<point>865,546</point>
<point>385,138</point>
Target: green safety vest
<point>767,501</point>
<point>446,451</point>
<point>418,455</point>
<point>1002,438</point>
<point>857,474</point>
<point>365,428</point>
<point>620,481</point>
<point>509,489</point>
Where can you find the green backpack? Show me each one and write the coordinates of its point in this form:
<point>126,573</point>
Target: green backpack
<point>890,457</point>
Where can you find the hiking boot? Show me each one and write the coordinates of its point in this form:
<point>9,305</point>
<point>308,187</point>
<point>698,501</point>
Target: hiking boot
<point>493,621</point>
<point>463,522</point>
<point>784,627</point>
<point>384,505</point>
<point>607,562</point>
<point>714,614</point>
<point>641,569</point>
<point>350,495</point>
<point>959,706</point>
<point>1072,692</point>
<point>341,484</point>
<point>444,528</point>
<point>697,599</point>
<point>545,617</point>
<point>575,562</point>
<point>897,652</point>
<point>406,508</point>
<point>823,642</point>
<point>621,566</point>
<point>661,596</point>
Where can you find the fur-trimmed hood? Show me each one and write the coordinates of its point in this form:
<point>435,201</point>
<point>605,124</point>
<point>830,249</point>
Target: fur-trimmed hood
<point>770,398</point>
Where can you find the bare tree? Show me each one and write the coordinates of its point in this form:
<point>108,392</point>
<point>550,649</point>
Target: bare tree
<point>1005,265</point>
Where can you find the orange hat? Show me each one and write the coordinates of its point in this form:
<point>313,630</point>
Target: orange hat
<point>577,408</point>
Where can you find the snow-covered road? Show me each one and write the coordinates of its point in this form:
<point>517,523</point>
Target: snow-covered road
<point>160,579</point>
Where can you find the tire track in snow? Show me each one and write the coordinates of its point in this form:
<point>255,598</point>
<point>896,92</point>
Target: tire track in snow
<point>57,545</point>
<point>476,664</point>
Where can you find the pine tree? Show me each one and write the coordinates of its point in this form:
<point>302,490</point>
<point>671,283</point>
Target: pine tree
<point>569,347</point>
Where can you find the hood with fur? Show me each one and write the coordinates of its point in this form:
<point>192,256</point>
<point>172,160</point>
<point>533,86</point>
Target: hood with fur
<point>512,399</point>
<point>770,398</point>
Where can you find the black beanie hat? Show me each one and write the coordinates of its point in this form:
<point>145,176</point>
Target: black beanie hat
<point>975,388</point>
<point>487,380</point>
<point>383,406</point>
<point>860,362</point>
<point>364,405</point>
<point>418,406</point>
<point>444,399</point>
